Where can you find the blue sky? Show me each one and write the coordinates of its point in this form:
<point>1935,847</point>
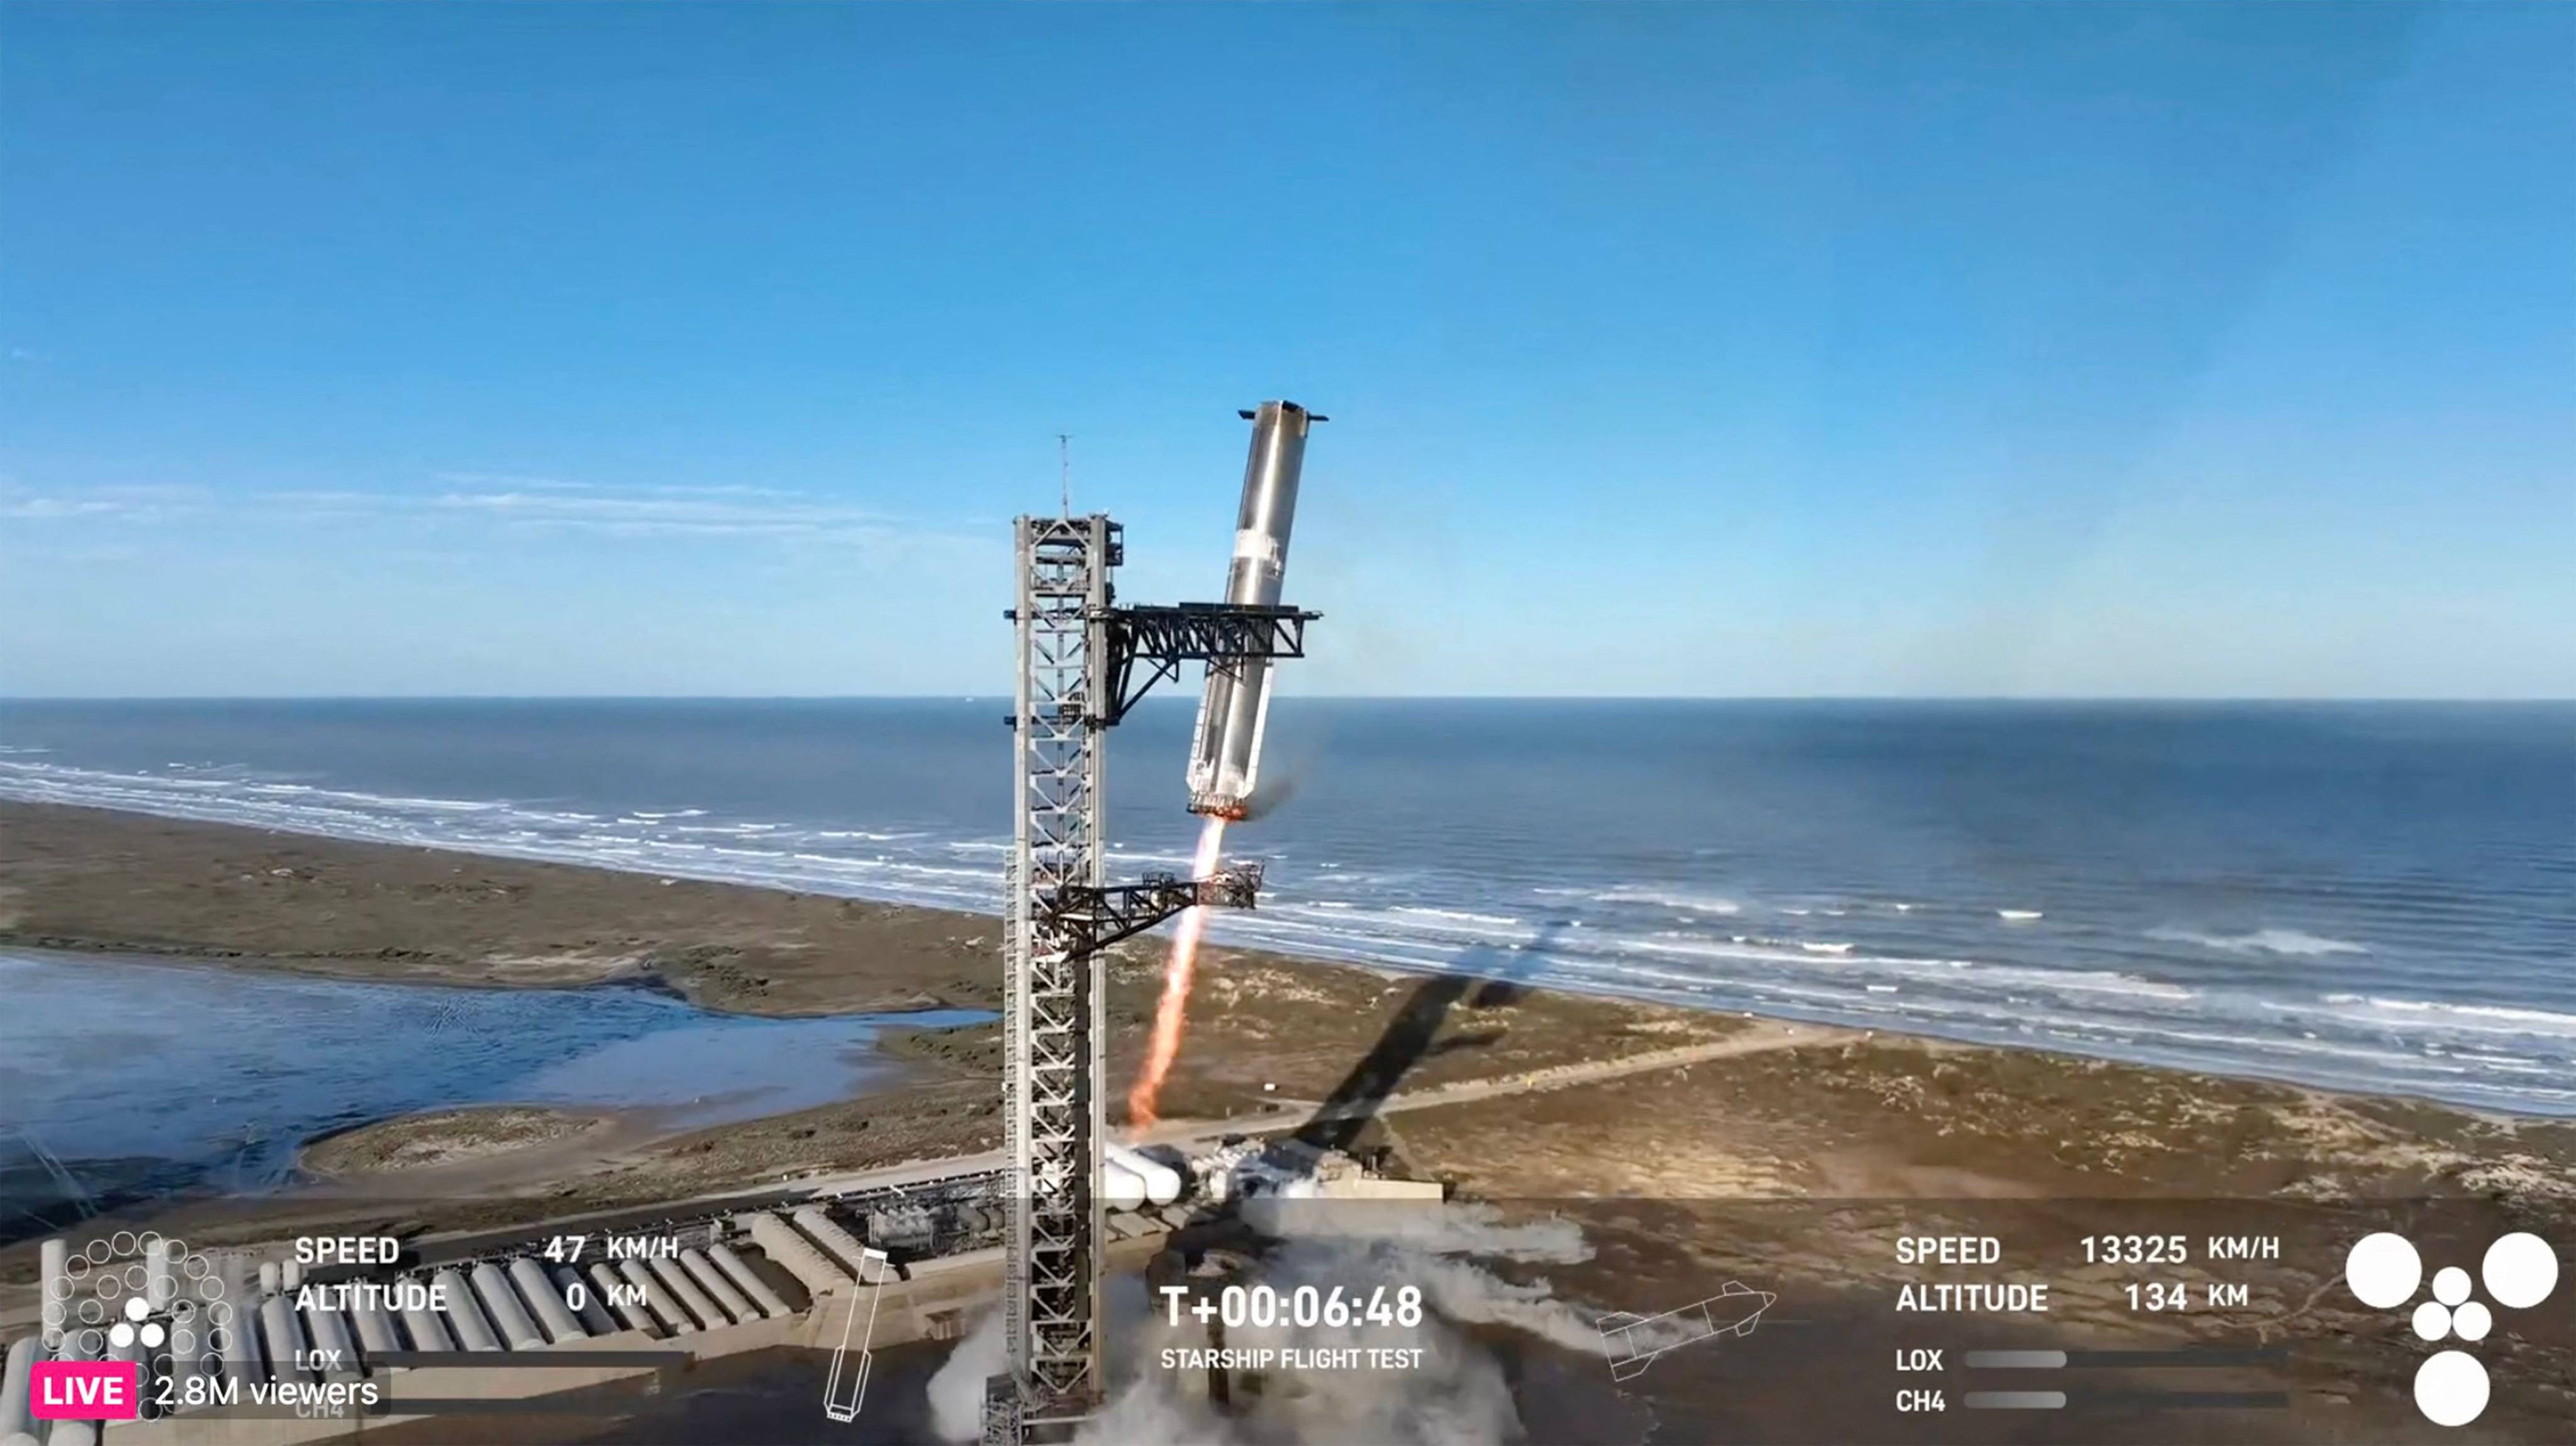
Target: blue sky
<point>1992,350</point>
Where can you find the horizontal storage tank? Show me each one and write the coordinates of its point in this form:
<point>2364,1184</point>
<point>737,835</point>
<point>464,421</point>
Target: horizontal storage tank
<point>607,1292</point>
<point>16,1418</point>
<point>238,1341</point>
<point>732,1302</point>
<point>333,1349</point>
<point>1120,1187</point>
<point>375,1327</point>
<point>658,1298</point>
<point>827,1233</point>
<point>678,1286</point>
<point>554,1317</point>
<point>1162,1182</point>
<point>53,1278</point>
<point>794,1253</point>
<point>425,1330</point>
<point>738,1270</point>
<point>594,1317</point>
<point>187,1361</point>
<point>72,1433</point>
<point>472,1328</point>
<point>518,1331</point>
<point>281,1339</point>
<point>160,1274</point>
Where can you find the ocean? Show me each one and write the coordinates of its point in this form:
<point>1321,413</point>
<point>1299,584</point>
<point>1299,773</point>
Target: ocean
<point>2376,897</point>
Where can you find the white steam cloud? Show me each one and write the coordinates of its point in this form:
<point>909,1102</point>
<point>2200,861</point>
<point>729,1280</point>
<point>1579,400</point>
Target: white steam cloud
<point>1457,1397</point>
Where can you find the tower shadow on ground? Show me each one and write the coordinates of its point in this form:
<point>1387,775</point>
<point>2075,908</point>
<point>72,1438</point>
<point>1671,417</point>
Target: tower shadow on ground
<point>1480,977</point>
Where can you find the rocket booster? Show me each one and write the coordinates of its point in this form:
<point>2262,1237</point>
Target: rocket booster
<point>1225,751</point>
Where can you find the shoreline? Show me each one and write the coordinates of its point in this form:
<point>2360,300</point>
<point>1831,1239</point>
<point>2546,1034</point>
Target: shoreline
<point>937,958</point>
<point>1265,1031</point>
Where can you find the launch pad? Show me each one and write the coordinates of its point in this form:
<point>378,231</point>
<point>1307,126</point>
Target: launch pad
<point>1084,662</point>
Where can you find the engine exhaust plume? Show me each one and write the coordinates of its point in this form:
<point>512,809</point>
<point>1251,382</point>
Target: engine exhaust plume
<point>1225,747</point>
<point>1171,1012</point>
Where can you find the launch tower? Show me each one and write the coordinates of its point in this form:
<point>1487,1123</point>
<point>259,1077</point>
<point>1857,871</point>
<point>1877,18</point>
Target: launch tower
<point>1083,662</point>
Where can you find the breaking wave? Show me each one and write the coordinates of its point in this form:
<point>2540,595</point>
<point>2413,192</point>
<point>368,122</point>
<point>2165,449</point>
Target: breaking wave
<point>2290,943</point>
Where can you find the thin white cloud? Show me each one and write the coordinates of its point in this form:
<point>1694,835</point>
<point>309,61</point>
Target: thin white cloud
<point>520,482</point>
<point>541,505</point>
<point>523,505</point>
<point>642,513</point>
<point>120,503</point>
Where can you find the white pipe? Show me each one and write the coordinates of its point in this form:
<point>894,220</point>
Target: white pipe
<point>729,1300</point>
<point>739,1271</point>
<point>517,1331</point>
<point>828,1234</point>
<point>658,1299</point>
<point>779,1241</point>
<point>686,1292</point>
<point>473,1332</point>
<point>594,1317</point>
<point>1162,1182</point>
<point>607,1284</point>
<point>553,1316</point>
<point>1120,1187</point>
<point>16,1419</point>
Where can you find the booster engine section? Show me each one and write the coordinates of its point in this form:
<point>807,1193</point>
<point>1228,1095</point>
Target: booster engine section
<point>1225,750</point>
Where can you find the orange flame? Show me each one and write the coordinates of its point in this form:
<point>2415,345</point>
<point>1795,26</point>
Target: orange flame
<point>1172,1010</point>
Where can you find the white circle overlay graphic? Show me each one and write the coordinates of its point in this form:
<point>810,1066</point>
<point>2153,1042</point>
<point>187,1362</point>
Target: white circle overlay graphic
<point>2451,1388</point>
<point>2451,1285</point>
<point>2432,1320</point>
<point>2472,1321</point>
<point>2383,1269</point>
<point>2520,1270</point>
